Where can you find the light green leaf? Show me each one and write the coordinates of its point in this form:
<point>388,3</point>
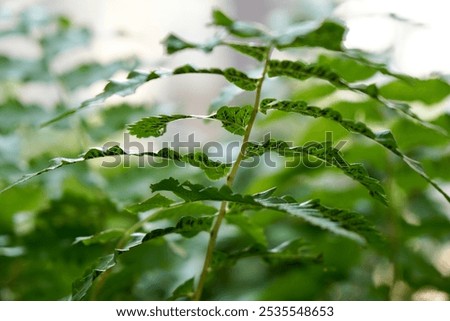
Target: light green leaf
<point>13,69</point>
<point>89,73</point>
<point>237,28</point>
<point>247,226</point>
<point>328,35</point>
<point>100,238</point>
<point>428,91</point>
<point>64,39</point>
<point>326,153</point>
<point>153,202</point>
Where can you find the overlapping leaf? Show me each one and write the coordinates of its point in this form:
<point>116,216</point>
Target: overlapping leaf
<point>291,252</point>
<point>186,226</point>
<point>326,153</point>
<point>213,169</point>
<point>384,138</point>
<point>341,222</point>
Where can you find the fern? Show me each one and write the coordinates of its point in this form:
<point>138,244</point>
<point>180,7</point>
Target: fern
<point>204,208</point>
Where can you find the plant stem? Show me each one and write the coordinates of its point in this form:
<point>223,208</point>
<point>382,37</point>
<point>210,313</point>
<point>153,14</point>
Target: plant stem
<point>230,179</point>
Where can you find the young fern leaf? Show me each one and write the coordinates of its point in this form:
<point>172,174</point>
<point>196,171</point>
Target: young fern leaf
<point>302,71</point>
<point>237,28</point>
<point>234,120</point>
<point>187,227</point>
<point>136,79</point>
<point>384,138</point>
<point>175,44</point>
<point>213,169</point>
<point>326,153</point>
<point>341,222</point>
<point>329,35</point>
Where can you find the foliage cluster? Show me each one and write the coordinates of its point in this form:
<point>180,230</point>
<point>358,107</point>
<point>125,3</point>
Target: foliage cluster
<point>370,223</point>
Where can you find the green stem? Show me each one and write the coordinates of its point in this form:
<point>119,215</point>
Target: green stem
<point>230,179</point>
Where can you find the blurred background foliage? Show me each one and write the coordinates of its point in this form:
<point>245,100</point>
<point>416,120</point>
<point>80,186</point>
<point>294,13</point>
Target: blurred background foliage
<point>40,220</point>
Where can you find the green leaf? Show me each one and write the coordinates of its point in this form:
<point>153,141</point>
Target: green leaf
<point>100,238</point>
<point>351,70</point>
<point>296,252</point>
<point>153,126</point>
<point>13,69</point>
<point>384,138</point>
<point>156,201</point>
<point>175,212</point>
<point>64,39</point>
<point>174,44</point>
<point>328,35</point>
<point>326,153</point>
<point>345,223</point>
<point>184,290</point>
<point>87,74</point>
<point>234,119</point>
<point>212,169</point>
<point>186,226</point>
<point>428,91</point>
<point>237,28</point>
<point>247,226</point>
<point>137,78</point>
<point>254,51</point>
<point>302,71</point>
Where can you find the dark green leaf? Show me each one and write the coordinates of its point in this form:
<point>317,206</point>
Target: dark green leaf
<point>186,226</point>
<point>341,222</point>
<point>174,43</point>
<point>254,51</point>
<point>213,169</point>
<point>153,126</point>
<point>184,290</point>
<point>326,153</point>
<point>234,119</point>
<point>302,71</point>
